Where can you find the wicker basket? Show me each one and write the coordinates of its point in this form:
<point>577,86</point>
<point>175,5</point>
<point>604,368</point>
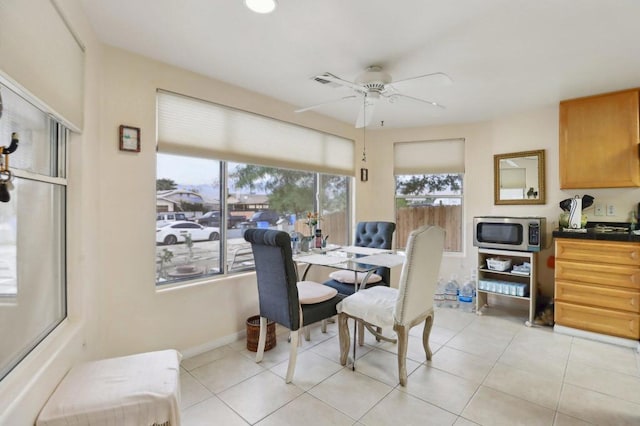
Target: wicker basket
<point>253,334</point>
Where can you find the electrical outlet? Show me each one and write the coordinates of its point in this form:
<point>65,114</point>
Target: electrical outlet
<point>598,209</point>
<point>611,210</point>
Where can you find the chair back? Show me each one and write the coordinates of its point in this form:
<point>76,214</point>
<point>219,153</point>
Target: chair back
<point>376,235</point>
<point>420,272</point>
<point>276,275</point>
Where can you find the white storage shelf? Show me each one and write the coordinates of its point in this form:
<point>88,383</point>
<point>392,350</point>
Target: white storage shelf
<point>506,283</point>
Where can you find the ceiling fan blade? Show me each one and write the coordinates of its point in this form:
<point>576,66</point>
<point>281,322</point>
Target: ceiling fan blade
<point>440,77</point>
<point>325,103</point>
<point>366,112</point>
<point>334,79</point>
<point>400,95</point>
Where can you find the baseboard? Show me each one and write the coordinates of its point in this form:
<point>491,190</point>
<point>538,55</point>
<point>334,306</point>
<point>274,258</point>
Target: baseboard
<point>627,343</point>
<point>197,350</point>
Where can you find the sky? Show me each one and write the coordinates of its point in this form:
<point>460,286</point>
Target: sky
<point>187,170</point>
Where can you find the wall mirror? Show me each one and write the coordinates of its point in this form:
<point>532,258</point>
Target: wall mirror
<point>519,178</point>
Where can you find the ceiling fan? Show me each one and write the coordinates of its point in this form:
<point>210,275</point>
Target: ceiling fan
<point>372,85</point>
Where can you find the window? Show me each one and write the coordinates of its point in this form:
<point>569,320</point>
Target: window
<point>32,231</point>
<point>186,189</point>
<point>229,170</point>
<point>255,196</point>
<point>429,189</point>
<point>334,208</point>
<point>434,199</point>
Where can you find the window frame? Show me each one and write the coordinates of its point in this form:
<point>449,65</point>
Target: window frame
<point>225,269</point>
<point>51,173</point>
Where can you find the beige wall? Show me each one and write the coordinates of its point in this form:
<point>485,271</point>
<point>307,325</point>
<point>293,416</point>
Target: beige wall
<point>138,317</point>
<point>523,131</point>
<point>114,307</point>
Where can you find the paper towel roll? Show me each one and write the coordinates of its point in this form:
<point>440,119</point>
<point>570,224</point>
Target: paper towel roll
<point>575,213</point>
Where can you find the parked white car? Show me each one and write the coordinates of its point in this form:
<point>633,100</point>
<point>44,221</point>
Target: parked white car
<point>174,232</point>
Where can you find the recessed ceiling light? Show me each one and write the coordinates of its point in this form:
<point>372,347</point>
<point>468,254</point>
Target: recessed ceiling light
<point>261,6</point>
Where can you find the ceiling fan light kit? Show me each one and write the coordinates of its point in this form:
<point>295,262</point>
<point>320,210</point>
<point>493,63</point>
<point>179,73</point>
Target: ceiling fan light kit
<point>261,6</point>
<point>373,84</point>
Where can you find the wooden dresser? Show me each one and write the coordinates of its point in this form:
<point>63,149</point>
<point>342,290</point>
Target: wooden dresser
<point>597,286</point>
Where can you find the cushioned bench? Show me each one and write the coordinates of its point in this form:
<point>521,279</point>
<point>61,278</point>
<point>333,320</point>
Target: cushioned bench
<point>141,389</point>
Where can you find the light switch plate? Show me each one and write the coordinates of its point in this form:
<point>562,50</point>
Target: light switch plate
<point>598,209</point>
<point>611,210</point>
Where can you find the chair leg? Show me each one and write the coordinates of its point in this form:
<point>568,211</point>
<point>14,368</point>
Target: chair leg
<point>307,333</point>
<point>323,326</point>
<point>293,354</point>
<point>262,339</point>
<point>428,323</point>
<point>360,333</point>
<point>343,332</point>
<point>403,342</point>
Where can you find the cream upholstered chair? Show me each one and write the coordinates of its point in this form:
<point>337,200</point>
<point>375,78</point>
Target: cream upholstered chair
<point>400,308</point>
<point>282,298</point>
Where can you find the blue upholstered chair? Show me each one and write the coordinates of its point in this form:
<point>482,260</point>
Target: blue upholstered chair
<point>374,235</point>
<point>282,298</point>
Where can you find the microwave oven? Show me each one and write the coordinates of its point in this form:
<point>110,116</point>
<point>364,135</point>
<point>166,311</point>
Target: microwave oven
<point>509,233</point>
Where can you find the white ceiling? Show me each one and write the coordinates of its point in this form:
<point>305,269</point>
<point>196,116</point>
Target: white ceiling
<point>504,56</point>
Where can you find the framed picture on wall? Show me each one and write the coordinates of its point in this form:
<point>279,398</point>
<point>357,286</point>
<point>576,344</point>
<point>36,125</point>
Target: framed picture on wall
<point>129,138</point>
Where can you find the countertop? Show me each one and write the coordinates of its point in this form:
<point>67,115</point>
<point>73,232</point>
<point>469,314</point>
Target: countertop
<point>594,232</point>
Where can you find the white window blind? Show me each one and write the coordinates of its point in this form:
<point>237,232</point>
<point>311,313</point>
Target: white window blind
<point>192,127</point>
<point>432,157</point>
<point>39,52</point>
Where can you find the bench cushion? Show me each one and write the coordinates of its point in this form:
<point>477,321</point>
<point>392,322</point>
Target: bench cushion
<point>141,389</point>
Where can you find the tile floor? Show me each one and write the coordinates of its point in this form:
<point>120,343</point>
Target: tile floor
<point>486,370</point>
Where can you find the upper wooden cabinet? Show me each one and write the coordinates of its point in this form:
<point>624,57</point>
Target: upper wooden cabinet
<point>599,141</point>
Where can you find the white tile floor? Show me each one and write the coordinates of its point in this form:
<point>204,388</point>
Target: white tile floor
<point>486,370</point>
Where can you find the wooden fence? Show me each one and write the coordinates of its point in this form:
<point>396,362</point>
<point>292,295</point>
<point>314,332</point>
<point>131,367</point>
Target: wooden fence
<point>334,225</point>
<point>447,217</point>
<point>408,219</point>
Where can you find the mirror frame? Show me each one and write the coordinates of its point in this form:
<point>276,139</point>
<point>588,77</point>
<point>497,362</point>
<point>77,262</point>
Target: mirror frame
<point>541,177</point>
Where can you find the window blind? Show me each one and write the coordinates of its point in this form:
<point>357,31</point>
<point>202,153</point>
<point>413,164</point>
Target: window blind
<point>437,156</point>
<point>193,127</point>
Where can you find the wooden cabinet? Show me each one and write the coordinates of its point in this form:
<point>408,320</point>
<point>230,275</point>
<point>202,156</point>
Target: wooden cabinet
<point>599,141</point>
<point>597,286</point>
<point>507,283</point>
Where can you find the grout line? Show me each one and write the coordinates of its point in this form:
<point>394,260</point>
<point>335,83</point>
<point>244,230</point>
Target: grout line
<point>477,320</point>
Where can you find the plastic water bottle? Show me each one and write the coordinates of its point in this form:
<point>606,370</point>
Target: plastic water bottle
<point>467,297</point>
<point>451,292</point>
<point>295,242</point>
<point>438,296</point>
